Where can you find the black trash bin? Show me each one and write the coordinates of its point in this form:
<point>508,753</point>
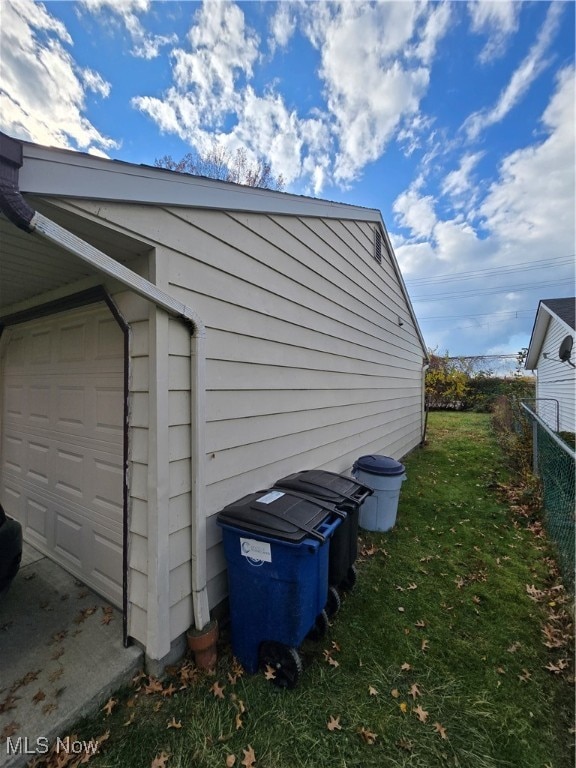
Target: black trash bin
<point>347,495</point>
<point>276,545</point>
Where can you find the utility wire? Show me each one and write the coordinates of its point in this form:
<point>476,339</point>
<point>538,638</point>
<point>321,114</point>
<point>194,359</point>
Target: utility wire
<point>487,291</point>
<point>470,275</point>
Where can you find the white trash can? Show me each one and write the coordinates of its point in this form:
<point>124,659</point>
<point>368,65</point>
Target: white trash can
<point>385,476</point>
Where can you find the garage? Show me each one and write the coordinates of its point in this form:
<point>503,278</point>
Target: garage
<point>62,453</point>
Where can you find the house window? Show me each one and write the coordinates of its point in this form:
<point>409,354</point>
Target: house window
<point>378,246</point>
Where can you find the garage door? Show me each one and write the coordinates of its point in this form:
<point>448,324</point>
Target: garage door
<point>61,458</point>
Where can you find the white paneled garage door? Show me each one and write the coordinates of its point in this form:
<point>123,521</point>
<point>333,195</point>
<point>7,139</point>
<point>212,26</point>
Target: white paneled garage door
<point>62,440</point>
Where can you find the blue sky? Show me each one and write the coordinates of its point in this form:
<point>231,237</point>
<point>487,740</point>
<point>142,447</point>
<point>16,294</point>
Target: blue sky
<point>455,119</point>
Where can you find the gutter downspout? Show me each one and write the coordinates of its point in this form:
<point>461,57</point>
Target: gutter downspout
<point>17,210</point>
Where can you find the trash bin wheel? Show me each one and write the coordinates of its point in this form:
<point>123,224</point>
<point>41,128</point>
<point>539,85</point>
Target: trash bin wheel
<point>333,602</point>
<point>284,661</point>
<point>351,578</point>
<point>320,627</point>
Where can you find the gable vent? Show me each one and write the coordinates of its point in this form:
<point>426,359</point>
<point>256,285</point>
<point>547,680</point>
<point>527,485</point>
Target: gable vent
<point>378,246</point>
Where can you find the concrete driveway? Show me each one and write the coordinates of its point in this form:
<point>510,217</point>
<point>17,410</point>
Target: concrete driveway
<point>61,657</point>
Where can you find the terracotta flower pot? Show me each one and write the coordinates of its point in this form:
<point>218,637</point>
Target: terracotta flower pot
<point>202,643</point>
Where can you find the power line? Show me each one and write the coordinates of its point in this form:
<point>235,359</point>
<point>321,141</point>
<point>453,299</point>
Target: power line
<point>488,291</point>
<point>484,314</point>
<point>523,266</point>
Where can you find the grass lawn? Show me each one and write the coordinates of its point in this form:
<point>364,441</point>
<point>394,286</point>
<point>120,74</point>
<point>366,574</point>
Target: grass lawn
<point>437,657</point>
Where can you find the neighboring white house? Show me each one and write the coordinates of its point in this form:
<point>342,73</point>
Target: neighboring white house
<point>170,343</point>
<point>555,378</point>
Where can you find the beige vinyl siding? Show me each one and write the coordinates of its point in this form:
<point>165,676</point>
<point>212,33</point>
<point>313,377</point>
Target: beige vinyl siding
<point>556,380</point>
<point>307,364</point>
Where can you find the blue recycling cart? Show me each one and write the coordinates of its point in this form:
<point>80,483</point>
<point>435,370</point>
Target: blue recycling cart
<point>277,551</point>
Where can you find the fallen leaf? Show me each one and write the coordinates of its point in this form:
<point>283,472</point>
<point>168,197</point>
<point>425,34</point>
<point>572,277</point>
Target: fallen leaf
<point>230,760</point>
<point>174,723</point>
<point>372,691</point>
<point>169,691</point>
<point>138,677</point>
<point>109,706</point>
<point>406,667</point>
<point>153,686</point>
<point>425,644</point>
<point>333,662</point>
<point>238,721</point>
<point>269,673</point>
<point>107,618</point>
<point>10,729</point>
<point>249,757</point>
<point>335,646</point>
<point>420,713</point>
<point>218,690</point>
<point>514,647</point>
<point>420,623</point>
<point>368,736</point>
<point>56,675</point>
<point>405,744</point>
<point>403,707</point>
<point>412,586</point>
<point>38,696</point>
<point>414,691</point>
<point>525,676</point>
<point>441,730</point>
<point>47,708</point>
<point>395,693</point>
<point>8,703</point>
<point>130,719</point>
<point>400,609</point>
<point>558,667</point>
<point>334,723</point>
<point>160,760</point>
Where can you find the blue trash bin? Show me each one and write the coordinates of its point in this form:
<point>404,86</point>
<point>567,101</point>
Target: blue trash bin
<point>277,550</point>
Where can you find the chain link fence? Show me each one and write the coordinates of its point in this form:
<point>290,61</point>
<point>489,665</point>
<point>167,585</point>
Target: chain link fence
<point>554,463</point>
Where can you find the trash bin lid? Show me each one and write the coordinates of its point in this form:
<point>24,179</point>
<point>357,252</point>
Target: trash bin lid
<point>328,486</point>
<point>379,465</point>
<point>275,514</point>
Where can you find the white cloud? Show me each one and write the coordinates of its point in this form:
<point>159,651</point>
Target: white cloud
<point>499,20</point>
<point>374,71</point>
<point>526,215</point>
<point>370,87</point>
<point>282,25</point>
<point>543,221</point>
<point>532,65</point>
<point>146,46</point>
<point>458,182</point>
<point>42,91</point>
<point>416,212</point>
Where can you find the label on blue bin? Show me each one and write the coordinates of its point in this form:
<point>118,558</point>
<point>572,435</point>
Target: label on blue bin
<point>257,552</point>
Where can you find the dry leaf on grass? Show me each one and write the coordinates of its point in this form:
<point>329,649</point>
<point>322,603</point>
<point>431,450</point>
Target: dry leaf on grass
<point>372,691</point>
<point>160,760</point>
<point>218,690</point>
<point>403,707</point>
<point>174,723</point>
<point>441,730</point>
<point>414,691</point>
<point>230,761</point>
<point>395,693</point>
<point>368,736</point>
<point>109,706</point>
<point>420,713</point>
<point>269,673</point>
<point>406,667</point>
<point>334,723</point>
<point>249,757</point>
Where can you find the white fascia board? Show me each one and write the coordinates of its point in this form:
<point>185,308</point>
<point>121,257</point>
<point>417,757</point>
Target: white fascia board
<point>541,323</point>
<point>398,271</point>
<point>63,173</point>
